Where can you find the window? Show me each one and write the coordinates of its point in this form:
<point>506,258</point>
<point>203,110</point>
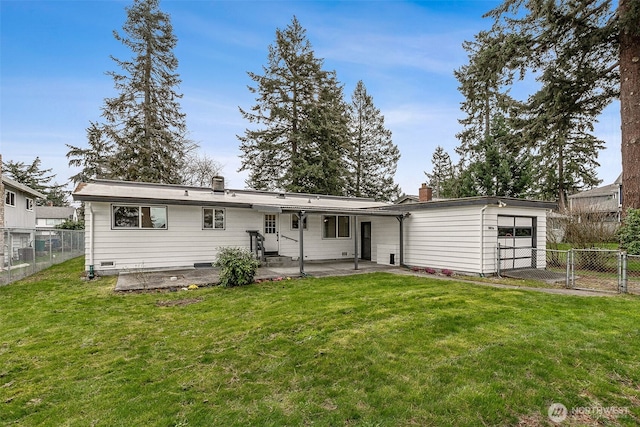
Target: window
<point>53,221</point>
<point>29,204</point>
<point>295,222</point>
<point>9,198</point>
<point>140,217</point>
<point>335,226</point>
<point>270,224</point>
<point>212,219</point>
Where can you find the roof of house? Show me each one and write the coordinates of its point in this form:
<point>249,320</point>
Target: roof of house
<point>54,212</point>
<point>264,201</point>
<point>8,182</point>
<point>476,201</point>
<point>605,190</point>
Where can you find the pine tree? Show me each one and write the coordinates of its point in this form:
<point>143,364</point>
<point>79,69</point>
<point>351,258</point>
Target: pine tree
<point>287,97</point>
<point>94,160</point>
<point>442,172</point>
<point>372,157</point>
<point>500,166</point>
<point>144,121</point>
<point>585,53</point>
<point>38,179</point>
<point>319,167</point>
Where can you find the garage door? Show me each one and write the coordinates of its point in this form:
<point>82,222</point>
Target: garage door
<point>516,240</point>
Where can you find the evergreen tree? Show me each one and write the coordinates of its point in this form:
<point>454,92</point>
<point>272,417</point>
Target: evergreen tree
<point>442,172</point>
<point>94,160</point>
<point>584,53</point>
<point>319,167</point>
<point>500,166</point>
<point>287,97</point>
<point>144,121</point>
<point>372,157</point>
<point>38,179</point>
<point>30,175</point>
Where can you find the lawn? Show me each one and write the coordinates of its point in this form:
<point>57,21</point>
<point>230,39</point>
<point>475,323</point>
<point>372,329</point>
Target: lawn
<point>367,350</point>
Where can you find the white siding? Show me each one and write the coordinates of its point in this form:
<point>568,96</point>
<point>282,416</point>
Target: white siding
<point>383,230</point>
<point>18,216</point>
<point>184,242</point>
<point>462,239</point>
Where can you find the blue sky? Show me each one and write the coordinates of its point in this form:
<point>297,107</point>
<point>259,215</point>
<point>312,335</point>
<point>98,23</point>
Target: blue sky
<point>54,56</point>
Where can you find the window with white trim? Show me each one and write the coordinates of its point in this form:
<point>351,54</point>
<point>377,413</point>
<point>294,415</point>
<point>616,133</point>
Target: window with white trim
<point>9,198</point>
<point>29,204</point>
<point>336,227</point>
<point>295,222</point>
<point>127,216</point>
<point>212,219</point>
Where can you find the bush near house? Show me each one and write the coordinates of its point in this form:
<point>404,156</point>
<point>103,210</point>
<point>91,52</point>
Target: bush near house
<point>237,266</point>
<point>629,232</point>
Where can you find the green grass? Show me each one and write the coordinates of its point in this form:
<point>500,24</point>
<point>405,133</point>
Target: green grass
<point>369,350</point>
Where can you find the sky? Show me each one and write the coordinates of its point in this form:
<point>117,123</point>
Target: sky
<point>54,56</point>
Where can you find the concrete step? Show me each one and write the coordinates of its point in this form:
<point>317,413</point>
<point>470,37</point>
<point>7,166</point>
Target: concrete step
<point>279,261</point>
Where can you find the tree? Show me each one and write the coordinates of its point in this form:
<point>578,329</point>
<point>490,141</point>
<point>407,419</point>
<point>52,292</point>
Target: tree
<point>372,157</point>
<point>287,98</point>
<point>199,170</point>
<point>629,39</point>
<point>38,179</point>
<point>629,232</point>
<point>30,175</point>
<point>442,172</point>
<point>585,53</point>
<point>144,122</point>
<point>94,160</point>
<point>319,167</point>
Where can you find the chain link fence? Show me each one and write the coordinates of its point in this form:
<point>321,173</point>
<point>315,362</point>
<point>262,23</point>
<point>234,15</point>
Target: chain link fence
<point>27,251</point>
<point>633,274</point>
<point>595,269</point>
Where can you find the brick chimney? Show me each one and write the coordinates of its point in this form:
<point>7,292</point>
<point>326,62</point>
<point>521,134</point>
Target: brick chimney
<point>217,183</point>
<point>425,194</point>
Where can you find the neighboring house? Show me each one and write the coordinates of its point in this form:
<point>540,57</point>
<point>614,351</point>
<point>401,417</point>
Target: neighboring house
<point>602,202</point>
<point>49,217</point>
<point>19,215</point>
<point>134,225</point>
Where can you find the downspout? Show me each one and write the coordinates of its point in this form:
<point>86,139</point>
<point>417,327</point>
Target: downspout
<point>302,215</point>
<point>482,240</point>
<point>355,242</point>
<point>91,274</point>
<point>400,219</point>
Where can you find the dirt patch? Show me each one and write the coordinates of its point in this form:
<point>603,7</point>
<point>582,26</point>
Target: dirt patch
<point>175,302</point>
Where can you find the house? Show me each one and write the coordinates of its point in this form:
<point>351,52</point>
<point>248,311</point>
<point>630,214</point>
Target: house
<point>18,215</point>
<point>49,217</point>
<point>604,202</point>
<point>133,225</point>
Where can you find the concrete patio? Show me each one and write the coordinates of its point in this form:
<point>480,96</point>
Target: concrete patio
<point>177,279</point>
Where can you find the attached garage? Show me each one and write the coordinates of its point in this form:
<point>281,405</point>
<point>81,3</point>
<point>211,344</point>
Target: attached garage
<point>464,235</point>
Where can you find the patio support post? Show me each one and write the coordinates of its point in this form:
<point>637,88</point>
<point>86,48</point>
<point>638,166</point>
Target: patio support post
<point>401,221</point>
<point>302,215</point>
<point>355,242</point>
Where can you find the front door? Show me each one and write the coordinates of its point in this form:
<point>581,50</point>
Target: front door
<point>365,241</point>
<point>271,233</point>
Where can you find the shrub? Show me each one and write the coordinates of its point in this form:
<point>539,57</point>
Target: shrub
<point>237,266</point>
<point>629,232</point>
<point>446,272</point>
